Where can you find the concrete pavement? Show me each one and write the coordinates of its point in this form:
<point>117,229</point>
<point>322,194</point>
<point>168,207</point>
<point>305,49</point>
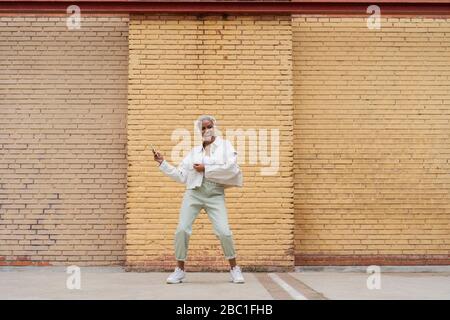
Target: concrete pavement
<point>393,286</point>
<point>115,283</point>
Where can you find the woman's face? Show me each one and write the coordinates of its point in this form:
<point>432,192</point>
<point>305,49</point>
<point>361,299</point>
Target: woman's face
<point>207,130</point>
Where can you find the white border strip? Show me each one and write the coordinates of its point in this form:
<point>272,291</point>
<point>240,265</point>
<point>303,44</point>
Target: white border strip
<point>291,291</point>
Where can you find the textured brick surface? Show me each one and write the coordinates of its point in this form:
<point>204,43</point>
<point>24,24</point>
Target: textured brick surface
<point>371,140</point>
<point>62,140</point>
<point>363,117</point>
<point>238,69</point>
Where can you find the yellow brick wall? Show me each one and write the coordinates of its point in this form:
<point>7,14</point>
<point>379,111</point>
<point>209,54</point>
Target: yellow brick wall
<point>238,69</point>
<point>63,106</point>
<point>371,130</point>
<point>362,117</point>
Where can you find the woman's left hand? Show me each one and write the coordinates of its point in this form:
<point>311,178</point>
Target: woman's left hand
<point>199,167</point>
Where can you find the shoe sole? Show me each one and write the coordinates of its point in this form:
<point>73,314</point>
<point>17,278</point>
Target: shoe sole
<point>237,281</point>
<point>174,282</point>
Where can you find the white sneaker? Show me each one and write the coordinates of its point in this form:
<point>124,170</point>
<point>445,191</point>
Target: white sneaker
<point>236,275</point>
<point>177,276</point>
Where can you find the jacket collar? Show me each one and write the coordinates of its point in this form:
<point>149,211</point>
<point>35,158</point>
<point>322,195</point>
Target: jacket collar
<point>217,142</point>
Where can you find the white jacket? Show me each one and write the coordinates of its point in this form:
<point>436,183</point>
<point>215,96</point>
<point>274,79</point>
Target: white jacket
<point>222,167</point>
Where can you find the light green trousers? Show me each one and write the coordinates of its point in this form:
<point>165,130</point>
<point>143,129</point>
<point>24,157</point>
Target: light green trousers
<point>211,197</point>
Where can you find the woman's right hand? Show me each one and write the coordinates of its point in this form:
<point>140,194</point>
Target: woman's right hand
<point>158,157</point>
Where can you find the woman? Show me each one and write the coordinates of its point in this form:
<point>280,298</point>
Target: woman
<point>207,170</point>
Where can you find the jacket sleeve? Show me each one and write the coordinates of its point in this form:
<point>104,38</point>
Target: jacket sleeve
<point>179,174</point>
<point>227,170</point>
